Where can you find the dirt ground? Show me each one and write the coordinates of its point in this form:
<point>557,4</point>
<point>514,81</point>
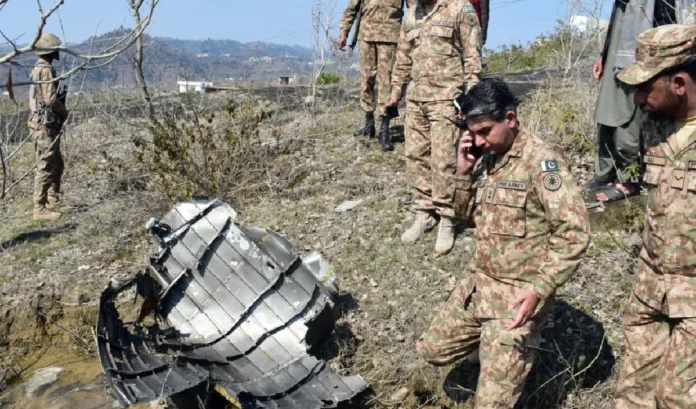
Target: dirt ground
<point>51,274</point>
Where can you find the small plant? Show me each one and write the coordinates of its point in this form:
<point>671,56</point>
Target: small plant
<point>327,78</point>
<point>216,155</point>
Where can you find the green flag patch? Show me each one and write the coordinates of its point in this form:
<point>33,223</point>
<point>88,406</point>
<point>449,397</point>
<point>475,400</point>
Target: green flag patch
<point>549,165</point>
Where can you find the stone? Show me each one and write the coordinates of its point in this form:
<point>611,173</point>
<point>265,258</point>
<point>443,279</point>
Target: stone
<point>347,206</point>
<point>400,395</point>
<point>42,379</point>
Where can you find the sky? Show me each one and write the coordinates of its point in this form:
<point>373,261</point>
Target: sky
<point>276,21</point>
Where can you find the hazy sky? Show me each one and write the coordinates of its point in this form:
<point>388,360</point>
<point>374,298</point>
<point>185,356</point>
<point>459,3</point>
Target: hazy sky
<point>279,21</point>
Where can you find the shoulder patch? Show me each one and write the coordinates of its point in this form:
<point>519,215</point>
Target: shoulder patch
<point>472,19</point>
<point>552,182</point>
<point>549,165</point>
<point>469,8</point>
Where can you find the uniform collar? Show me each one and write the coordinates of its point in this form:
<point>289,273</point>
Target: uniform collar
<point>440,4</point>
<point>42,63</point>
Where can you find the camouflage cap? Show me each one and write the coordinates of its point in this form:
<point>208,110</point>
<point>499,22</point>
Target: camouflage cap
<point>47,40</point>
<point>658,49</point>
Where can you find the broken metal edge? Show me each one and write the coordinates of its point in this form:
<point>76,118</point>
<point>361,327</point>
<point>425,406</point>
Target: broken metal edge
<point>140,371</point>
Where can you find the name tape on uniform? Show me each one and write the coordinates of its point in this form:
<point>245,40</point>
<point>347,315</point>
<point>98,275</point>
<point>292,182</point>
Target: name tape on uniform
<point>655,160</point>
<point>511,184</point>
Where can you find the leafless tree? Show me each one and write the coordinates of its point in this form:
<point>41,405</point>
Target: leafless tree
<point>137,59</point>
<point>575,40</point>
<point>322,16</point>
<point>10,123</point>
<point>87,61</point>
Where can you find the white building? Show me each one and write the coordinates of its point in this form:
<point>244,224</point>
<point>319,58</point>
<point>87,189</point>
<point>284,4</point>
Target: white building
<point>583,24</point>
<point>195,86</point>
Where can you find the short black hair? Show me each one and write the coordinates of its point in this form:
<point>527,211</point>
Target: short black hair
<point>491,96</point>
<point>688,67</point>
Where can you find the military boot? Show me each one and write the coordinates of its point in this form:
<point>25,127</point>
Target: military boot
<point>54,203</point>
<point>424,222</point>
<point>445,236</point>
<point>369,128</point>
<point>43,214</point>
<point>384,138</point>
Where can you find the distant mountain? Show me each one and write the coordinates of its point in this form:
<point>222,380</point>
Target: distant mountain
<point>169,59</point>
<point>236,49</point>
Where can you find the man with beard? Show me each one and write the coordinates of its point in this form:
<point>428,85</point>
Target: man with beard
<point>439,57</point>
<point>659,369</point>
<point>616,172</point>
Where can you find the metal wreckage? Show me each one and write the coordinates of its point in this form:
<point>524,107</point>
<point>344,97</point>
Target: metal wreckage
<point>238,312</point>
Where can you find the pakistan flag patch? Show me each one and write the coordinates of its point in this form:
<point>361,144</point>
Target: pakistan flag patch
<point>549,165</point>
<point>469,8</point>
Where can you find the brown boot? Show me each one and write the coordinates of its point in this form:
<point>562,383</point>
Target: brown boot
<point>43,214</point>
<point>55,203</point>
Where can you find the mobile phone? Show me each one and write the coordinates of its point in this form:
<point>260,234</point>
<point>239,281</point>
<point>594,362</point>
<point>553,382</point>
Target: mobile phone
<point>461,124</point>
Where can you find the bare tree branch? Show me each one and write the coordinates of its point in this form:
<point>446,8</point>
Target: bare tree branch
<point>137,59</point>
<point>88,61</point>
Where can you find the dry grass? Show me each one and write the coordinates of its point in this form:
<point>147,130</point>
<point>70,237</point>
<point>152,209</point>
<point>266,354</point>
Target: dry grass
<point>390,292</point>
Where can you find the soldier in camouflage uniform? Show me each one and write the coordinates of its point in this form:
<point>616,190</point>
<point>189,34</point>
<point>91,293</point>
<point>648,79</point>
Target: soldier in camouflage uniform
<point>438,58</point>
<point>379,33</point>
<point>659,369</point>
<point>532,229</point>
<point>45,122</point>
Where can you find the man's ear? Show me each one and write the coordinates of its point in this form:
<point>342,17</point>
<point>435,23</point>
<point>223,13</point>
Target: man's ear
<point>511,119</point>
<point>679,81</point>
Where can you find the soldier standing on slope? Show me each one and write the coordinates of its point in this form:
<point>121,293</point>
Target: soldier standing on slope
<point>439,58</point>
<point>48,113</point>
<point>380,22</point>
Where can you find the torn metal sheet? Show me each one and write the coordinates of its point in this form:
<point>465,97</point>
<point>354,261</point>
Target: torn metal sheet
<point>239,310</point>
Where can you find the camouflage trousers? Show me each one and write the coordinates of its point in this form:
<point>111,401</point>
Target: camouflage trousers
<point>430,156</point>
<point>659,369</point>
<point>49,170</point>
<point>506,356</point>
<point>376,65</point>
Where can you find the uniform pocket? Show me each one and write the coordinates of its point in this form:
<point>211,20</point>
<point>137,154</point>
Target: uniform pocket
<point>441,38</point>
<point>510,217</point>
<point>691,180</point>
<point>652,174</point>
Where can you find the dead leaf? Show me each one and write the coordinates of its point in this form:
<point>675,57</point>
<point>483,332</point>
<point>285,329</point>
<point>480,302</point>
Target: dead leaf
<point>10,91</point>
<point>400,395</point>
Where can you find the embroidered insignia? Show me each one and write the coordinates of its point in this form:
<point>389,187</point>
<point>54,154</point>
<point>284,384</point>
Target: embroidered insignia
<point>552,182</point>
<point>549,165</point>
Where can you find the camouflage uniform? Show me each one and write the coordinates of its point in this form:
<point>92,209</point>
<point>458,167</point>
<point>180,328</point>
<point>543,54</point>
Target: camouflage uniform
<point>532,230</point>
<point>378,36</point>
<point>45,127</point>
<point>438,56</point>
<point>659,369</point>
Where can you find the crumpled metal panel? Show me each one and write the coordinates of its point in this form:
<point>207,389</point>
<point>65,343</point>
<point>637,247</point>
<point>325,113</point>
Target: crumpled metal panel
<point>240,309</point>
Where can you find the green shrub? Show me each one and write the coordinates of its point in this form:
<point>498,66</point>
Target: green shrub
<point>217,155</point>
<point>327,78</point>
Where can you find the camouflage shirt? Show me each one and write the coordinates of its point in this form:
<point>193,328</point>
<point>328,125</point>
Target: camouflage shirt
<point>670,229</point>
<point>380,21</point>
<point>438,55</point>
<point>532,227</point>
<point>44,92</point>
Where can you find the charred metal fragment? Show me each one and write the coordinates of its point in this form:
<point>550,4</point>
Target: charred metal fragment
<point>238,310</point>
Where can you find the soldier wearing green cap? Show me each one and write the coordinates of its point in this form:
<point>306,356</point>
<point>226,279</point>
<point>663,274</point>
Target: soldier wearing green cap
<point>48,113</point>
<point>659,369</point>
